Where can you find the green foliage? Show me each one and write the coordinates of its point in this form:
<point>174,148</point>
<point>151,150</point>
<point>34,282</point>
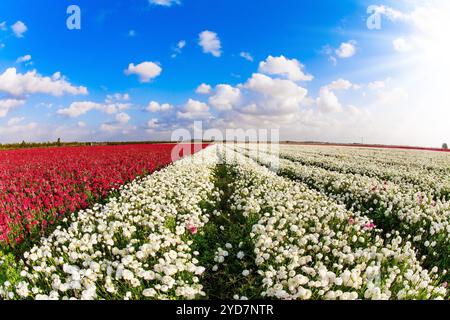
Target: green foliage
<point>229,227</point>
<point>9,269</point>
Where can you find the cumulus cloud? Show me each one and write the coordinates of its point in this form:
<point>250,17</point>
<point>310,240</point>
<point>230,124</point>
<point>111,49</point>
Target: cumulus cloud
<point>328,102</point>
<point>274,95</point>
<point>194,110</point>
<point>225,97</point>
<point>154,106</point>
<point>152,125</point>
<point>178,49</point>
<point>110,98</point>
<point>17,84</point>
<point>292,69</point>
<point>273,99</point>
<point>204,89</point>
<point>7,104</point>
<point>341,84</point>
<point>164,3</point>
<point>16,128</point>
<point>210,43</point>
<point>3,26</point>
<point>80,108</point>
<point>346,49</point>
<point>391,13</point>
<point>123,118</point>
<point>145,70</point>
<point>25,58</point>
<point>19,28</point>
<point>247,56</point>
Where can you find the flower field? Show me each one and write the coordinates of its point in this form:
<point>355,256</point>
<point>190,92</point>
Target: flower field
<point>39,186</point>
<point>224,223</point>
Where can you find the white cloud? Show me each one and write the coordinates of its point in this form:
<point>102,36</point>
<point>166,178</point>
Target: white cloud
<point>210,43</point>
<point>291,69</point>
<point>204,89</point>
<point>81,124</point>
<point>328,102</point>
<point>110,98</point>
<point>3,26</point>
<point>401,45</point>
<point>123,118</point>
<point>154,106</point>
<point>19,28</point>
<point>24,58</point>
<point>7,104</point>
<point>376,85</point>
<point>164,3</point>
<point>246,55</point>
<point>225,97</point>
<point>17,129</point>
<point>280,94</point>
<point>17,84</point>
<point>346,49</point>
<point>194,109</point>
<point>390,13</point>
<point>152,124</point>
<point>145,70</point>
<point>341,84</point>
<point>178,48</point>
<point>181,44</point>
<point>79,108</point>
<point>108,127</point>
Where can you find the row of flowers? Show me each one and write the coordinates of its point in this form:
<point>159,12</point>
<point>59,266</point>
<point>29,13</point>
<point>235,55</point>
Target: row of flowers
<point>136,246</point>
<point>309,247</point>
<point>417,159</point>
<point>421,178</point>
<point>416,215</point>
<point>38,187</point>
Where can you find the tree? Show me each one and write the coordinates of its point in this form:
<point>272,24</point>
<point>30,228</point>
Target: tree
<point>58,142</point>
<point>445,146</point>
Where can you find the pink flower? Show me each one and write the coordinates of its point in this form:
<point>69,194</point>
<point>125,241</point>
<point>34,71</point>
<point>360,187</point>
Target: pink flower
<point>351,221</point>
<point>370,226</point>
<point>191,227</point>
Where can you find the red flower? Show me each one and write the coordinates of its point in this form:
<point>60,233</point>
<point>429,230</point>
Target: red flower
<point>39,186</point>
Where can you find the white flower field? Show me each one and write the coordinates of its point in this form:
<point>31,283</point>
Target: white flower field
<point>324,223</point>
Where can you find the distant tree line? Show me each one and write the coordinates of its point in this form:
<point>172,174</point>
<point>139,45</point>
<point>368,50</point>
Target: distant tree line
<point>59,143</point>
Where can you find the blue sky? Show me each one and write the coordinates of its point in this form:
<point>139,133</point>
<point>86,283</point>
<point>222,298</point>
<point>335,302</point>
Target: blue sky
<point>359,76</point>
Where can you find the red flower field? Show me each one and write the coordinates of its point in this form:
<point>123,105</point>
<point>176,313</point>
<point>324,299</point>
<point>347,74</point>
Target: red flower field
<point>39,186</point>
